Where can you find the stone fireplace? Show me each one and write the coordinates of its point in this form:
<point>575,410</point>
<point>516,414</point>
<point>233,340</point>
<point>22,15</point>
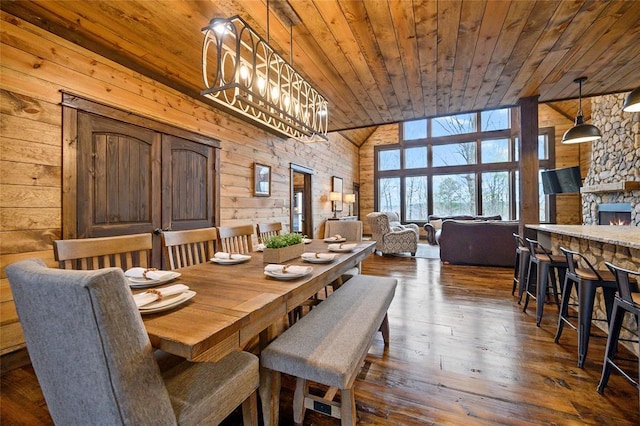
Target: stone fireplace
<point>614,214</point>
<point>614,170</point>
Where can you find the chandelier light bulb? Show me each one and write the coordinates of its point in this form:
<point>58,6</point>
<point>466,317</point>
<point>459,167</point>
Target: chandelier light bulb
<point>244,72</point>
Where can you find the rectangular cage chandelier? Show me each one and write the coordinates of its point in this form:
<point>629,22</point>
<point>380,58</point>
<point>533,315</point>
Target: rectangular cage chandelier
<point>243,73</point>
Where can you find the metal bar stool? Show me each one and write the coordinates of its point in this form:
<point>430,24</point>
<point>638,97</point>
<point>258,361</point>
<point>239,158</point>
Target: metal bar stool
<point>545,264</point>
<point>587,279</point>
<point>520,267</point>
<point>625,301</point>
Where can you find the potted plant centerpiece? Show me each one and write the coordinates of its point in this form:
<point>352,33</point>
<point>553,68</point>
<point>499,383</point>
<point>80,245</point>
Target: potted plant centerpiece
<point>281,248</point>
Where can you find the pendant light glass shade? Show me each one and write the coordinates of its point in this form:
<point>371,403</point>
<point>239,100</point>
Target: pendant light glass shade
<point>632,102</point>
<point>581,132</point>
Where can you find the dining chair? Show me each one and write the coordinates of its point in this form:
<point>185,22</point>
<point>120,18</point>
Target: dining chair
<point>349,229</point>
<point>267,230</point>
<point>189,247</point>
<point>94,360</point>
<point>123,251</point>
<point>236,239</point>
<point>624,301</point>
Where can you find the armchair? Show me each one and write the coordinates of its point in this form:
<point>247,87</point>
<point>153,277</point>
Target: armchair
<point>392,239</point>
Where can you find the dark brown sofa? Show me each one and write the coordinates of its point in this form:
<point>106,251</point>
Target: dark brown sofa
<point>478,242</point>
<point>433,234</point>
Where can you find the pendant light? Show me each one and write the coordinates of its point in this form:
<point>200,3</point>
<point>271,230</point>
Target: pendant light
<point>632,102</point>
<point>581,132</point>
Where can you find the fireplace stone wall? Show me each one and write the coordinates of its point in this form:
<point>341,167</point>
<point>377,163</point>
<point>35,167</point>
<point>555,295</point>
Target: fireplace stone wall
<point>614,158</point>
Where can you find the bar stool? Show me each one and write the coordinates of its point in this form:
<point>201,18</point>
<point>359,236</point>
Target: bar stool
<point>545,264</point>
<point>520,267</point>
<point>587,279</point>
<point>625,301</point>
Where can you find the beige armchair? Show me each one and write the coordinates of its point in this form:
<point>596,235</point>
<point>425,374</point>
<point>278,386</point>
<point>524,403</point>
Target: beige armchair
<point>392,239</point>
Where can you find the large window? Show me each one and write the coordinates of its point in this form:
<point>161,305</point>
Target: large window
<point>461,164</point>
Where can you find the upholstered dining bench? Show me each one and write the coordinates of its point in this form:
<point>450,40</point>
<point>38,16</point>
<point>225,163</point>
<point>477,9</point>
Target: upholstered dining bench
<point>328,346</point>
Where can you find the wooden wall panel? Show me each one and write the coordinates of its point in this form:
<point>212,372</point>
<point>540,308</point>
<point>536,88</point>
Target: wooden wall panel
<point>37,65</point>
<point>568,206</point>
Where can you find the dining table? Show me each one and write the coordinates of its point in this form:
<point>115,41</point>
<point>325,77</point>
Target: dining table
<point>235,303</point>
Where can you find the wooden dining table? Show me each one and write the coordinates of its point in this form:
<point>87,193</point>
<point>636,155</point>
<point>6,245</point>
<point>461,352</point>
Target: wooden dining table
<point>234,303</point>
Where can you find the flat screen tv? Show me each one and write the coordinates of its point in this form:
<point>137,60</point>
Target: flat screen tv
<point>561,181</point>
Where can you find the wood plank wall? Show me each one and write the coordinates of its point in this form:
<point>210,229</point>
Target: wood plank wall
<point>36,65</point>
<point>568,206</point>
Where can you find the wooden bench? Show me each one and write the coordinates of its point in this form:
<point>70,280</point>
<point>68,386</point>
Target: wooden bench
<point>329,345</point>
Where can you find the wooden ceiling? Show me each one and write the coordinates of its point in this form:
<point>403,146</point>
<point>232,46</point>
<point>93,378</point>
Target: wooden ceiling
<point>378,61</point>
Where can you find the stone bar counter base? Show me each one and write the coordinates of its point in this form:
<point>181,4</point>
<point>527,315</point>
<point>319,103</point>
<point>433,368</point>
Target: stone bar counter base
<point>619,245</point>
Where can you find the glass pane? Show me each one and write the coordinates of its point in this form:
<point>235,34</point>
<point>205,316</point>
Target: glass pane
<point>389,195</point>
<point>516,149</point>
<point>454,154</point>
<point>415,130</point>
<point>453,125</point>
<point>495,194</point>
<point>454,194</point>
<point>543,147</point>
<point>415,158</point>
<point>497,119</point>
<point>415,203</point>
<point>517,194</point>
<point>495,151</point>
<point>389,159</point>
<point>542,200</point>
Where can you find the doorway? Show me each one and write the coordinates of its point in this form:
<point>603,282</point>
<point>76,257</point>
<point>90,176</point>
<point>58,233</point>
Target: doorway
<point>301,220</point>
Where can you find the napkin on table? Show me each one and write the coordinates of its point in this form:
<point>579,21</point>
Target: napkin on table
<point>342,246</point>
<point>230,256</point>
<point>260,247</point>
<point>148,273</point>
<point>293,269</point>
<point>151,296</point>
<point>311,255</point>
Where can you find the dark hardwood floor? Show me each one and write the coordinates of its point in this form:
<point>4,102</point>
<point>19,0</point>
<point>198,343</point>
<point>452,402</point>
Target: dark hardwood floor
<point>462,352</point>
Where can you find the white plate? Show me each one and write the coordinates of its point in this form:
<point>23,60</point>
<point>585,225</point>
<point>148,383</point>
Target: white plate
<point>230,261</point>
<point>318,259</point>
<point>167,303</point>
<point>307,240</point>
<point>144,283</point>
<point>287,275</point>
<point>334,240</point>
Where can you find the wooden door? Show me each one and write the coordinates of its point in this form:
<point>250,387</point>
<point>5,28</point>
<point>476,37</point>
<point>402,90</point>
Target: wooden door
<point>132,179</point>
<point>188,187</point>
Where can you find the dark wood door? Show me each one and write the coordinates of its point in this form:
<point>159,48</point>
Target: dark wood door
<point>135,180</point>
<point>187,184</point>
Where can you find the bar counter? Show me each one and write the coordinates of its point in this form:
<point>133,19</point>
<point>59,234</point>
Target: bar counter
<point>626,236</point>
<point>619,245</point>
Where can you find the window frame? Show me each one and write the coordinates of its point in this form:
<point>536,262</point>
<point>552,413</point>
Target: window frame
<point>511,166</point>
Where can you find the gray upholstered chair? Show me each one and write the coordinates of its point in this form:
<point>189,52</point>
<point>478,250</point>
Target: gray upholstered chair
<point>349,229</point>
<point>95,363</point>
<point>390,241</point>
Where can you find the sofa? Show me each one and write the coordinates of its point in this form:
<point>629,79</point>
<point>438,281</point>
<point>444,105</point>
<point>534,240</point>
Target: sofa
<point>391,236</point>
<point>478,242</point>
<point>433,226</point>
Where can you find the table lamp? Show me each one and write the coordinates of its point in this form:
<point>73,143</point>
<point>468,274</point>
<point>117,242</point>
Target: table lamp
<point>334,197</point>
<point>350,199</point>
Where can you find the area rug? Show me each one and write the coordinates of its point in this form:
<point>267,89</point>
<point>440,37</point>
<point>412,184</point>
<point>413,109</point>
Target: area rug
<point>425,251</point>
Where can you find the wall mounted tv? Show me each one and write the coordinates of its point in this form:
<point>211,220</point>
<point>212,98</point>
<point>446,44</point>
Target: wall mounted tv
<point>561,181</point>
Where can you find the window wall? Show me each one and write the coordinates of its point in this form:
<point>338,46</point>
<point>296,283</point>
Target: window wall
<point>460,164</point>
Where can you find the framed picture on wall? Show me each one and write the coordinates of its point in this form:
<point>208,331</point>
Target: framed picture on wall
<point>261,180</point>
<point>336,186</point>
